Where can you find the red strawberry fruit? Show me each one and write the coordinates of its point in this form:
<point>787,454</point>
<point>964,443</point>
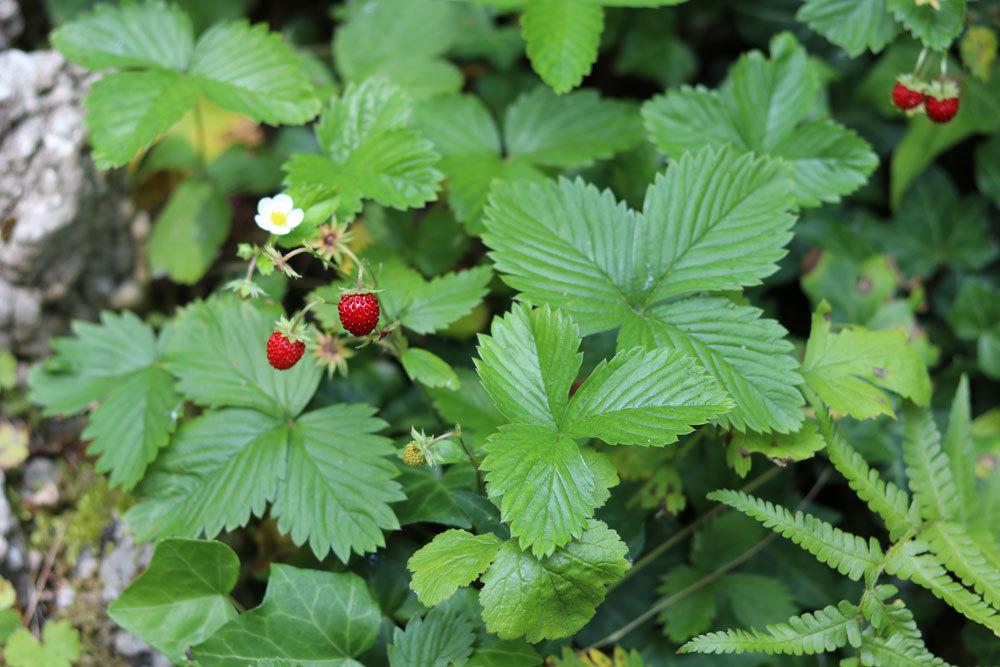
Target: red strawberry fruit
<point>359,312</point>
<point>905,97</point>
<point>283,353</point>
<point>942,100</point>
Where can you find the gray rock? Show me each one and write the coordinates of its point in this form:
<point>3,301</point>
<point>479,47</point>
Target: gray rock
<point>68,244</point>
<point>122,564</point>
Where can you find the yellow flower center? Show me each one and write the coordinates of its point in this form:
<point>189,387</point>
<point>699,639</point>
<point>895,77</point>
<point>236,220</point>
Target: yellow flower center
<point>278,218</point>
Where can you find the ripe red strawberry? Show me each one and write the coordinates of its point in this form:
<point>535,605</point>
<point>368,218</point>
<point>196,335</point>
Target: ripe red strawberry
<point>905,97</point>
<point>283,353</point>
<point>359,312</point>
<point>942,109</point>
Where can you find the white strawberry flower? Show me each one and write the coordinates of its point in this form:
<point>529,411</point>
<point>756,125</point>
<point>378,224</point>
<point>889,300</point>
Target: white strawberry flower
<point>278,215</point>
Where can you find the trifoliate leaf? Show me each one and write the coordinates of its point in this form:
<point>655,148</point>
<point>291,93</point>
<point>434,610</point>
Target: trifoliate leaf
<point>441,638</point>
<point>188,232</point>
<point>562,38</point>
<point>426,306</point>
<point>182,598</point>
<point>644,397</point>
<point>453,559</point>
<point>692,614</point>
<point>545,485</point>
<point>551,597</point>
<point>307,617</point>
<point>781,448</point>
<point>216,350</point>
<point>761,107</point>
<point>848,368</point>
<point>853,25</point>
<point>428,369</point>
<point>149,34</point>
<point>935,24</point>
<point>60,646</point>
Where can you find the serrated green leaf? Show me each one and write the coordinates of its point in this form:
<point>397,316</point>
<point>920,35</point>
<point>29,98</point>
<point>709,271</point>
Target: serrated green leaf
<point>781,448</point>
<point>149,34</point>
<point>644,397</point>
<point>927,466</point>
<point>441,638</point>
<point>935,24</point>
<point>528,364</point>
<point>847,368</point>
<point>426,306</point>
<point>60,646</point>
<point>975,309</point>
<point>471,407</point>
<point>820,631</point>
<point>551,597</point>
<point>545,485</point>
<point>182,598</point>
<point>760,107</point>
<point>691,614</point>
<point>562,38</point>
<point>189,231</point>
<point>953,545</point>
<point>429,369</point>
<point>250,70</point>
<point>216,350</point>
<point>307,617</point>
<point>127,111</point>
<point>748,356</point>
<point>849,554</point>
<point>453,559</point>
<point>854,25</point>
<point>897,650</point>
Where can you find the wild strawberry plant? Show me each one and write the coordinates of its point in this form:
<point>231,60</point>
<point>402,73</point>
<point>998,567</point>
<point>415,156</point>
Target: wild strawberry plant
<point>639,270</point>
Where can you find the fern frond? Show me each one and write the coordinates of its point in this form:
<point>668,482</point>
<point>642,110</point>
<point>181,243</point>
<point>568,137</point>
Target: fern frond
<point>911,560</point>
<point>847,553</point>
<point>957,446</point>
<point>959,553</point>
<point>889,618</point>
<point>823,630</point>
<point>898,651</point>
<point>891,503</point>
<point>927,466</point>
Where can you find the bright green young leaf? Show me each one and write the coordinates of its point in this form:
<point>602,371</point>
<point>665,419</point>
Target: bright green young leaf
<point>188,232</point>
<point>441,638</point>
<point>927,466</point>
<point>762,107</point>
<point>551,597</point>
<point>854,25</point>
<point>953,545</point>
<point>216,350</point>
<point>545,485</point>
<point>149,34</point>
<point>691,614</point>
<point>429,369</point>
<point>453,559</point>
<point>643,397</point>
<point>182,598</point>
<point>562,38</point>
<point>60,646</point>
<point>781,448</point>
<point>897,650</point>
<point>127,111</point>
<point>307,617</point>
<point>847,369</point>
<point>426,306</point>
<point>935,24</point>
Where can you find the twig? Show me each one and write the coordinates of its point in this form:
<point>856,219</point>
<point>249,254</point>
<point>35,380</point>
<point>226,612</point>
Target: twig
<point>475,466</point>
<point>46,572</point>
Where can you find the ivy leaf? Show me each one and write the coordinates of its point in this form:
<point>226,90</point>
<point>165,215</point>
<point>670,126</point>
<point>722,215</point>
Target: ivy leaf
<point>781,448</point>
<point>307,616</point>
<point>935,24</point>
<point>426,306</point>
<point>189,231</point>
<point>545,485</point>
<point>562,38</point>
<point>453,559</point>
<point>761,107</point>
<point>60,646</point>
<point>127,111</point>
<point>182,598</point>
<point>429,369</point>
<point>847,369</point>
<point>854,25</point>
<point>150,34</point>
<point>441,638</point>
<point>555,596</point>
<point>644,397</point>
<point>216,350</point>
<point>116,364</point>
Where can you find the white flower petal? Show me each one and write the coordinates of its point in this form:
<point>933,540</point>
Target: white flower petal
<point>295,217</point>
<point>264,205</point>
<point>282,203</point>
<point>262,220</point>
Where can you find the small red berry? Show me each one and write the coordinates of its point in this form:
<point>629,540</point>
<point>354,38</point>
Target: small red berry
<point>359,312</point>
<point>941,110</point>
<point>283,353</point>
<point>906,98</point>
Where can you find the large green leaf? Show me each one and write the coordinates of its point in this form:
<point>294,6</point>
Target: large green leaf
<point>854,25</point>
<point>426,306</point>
<point>453,559</point>
<point>762,107</point>
<point>428,369</point>
<point>307,617</point>
<point>441,638</point>
<point>216,348</point>
<point>562,38</point>
<point>936,24</point>
<point>182,598</point>
<point>551,597</point>
<point>188,232</point>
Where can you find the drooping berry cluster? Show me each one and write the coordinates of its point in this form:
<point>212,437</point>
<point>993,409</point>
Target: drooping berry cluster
<point>938,99</point>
